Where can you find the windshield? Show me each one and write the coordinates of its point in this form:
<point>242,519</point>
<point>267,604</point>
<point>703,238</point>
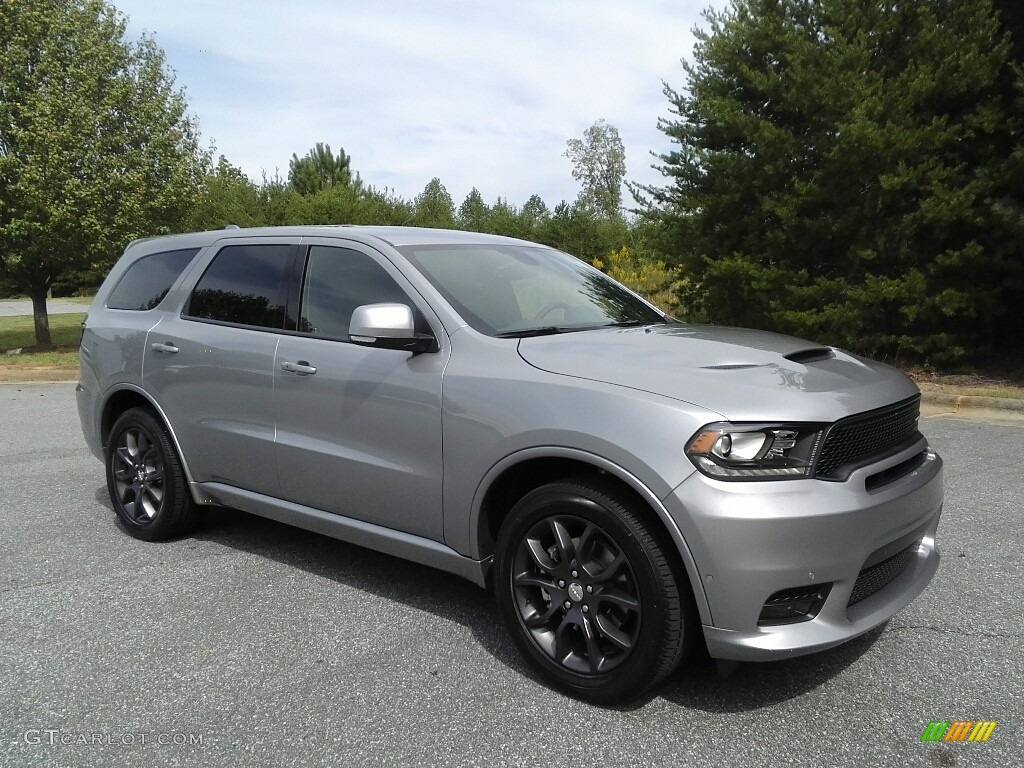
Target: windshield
<point>511,290</point>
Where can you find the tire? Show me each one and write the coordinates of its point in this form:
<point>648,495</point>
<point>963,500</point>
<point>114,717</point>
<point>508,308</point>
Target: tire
<point>146,480</point>
<point>588,592</point>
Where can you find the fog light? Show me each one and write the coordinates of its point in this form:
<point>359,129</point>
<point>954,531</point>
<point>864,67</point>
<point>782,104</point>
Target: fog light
<point>795,604</point>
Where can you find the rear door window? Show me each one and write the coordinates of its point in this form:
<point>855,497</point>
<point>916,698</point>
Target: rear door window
<point>244,285</point>
<point>146,282</point>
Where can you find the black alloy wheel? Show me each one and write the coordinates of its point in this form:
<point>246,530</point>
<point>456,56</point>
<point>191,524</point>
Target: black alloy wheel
<point>145,478</point>
<point>588,593</point>
<point>577,594</point>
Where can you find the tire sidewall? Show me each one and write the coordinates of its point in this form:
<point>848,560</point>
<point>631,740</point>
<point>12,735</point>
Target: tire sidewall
<point>141,420</point>
<point>634,673</point>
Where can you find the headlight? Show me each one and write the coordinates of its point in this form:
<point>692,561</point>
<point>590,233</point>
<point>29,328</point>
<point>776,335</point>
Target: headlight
<point>755,451</point>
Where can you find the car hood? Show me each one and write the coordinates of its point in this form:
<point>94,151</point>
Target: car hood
<point>742,374</point>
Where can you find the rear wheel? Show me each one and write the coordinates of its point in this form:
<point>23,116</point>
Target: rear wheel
<point>146,479</point>
<point>588,592</point>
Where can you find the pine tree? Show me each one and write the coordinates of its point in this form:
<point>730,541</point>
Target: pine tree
<point>838,170</point>
<point>321,169</point>
<point>473,212</point>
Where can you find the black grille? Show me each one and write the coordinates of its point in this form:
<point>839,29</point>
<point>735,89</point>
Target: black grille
<point>879,575</point>
<point>850,441</point>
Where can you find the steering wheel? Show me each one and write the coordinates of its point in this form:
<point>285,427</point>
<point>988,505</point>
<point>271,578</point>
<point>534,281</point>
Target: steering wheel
<point>544,312</point>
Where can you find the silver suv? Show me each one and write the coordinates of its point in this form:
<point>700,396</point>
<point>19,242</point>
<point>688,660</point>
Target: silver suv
<point>500,410</point>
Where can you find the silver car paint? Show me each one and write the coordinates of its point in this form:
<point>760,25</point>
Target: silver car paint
<point>496,405</point>
<point>625,401</point>
<point>740,373</point>
<point>753,542</point>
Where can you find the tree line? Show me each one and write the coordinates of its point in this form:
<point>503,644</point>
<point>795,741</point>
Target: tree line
<point>843,170</point>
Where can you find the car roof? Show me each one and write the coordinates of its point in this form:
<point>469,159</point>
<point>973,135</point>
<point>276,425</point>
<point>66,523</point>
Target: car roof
<point>394,236</point>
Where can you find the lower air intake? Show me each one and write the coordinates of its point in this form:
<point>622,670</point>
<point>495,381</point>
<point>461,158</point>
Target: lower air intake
<point>880,575</point>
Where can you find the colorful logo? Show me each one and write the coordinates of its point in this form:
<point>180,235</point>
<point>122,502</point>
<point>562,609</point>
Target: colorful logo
<point>958,730</point>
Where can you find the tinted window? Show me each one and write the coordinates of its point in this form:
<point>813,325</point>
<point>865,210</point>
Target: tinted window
<point>147,281</point>
<point>244,284</point>
<point>337,281</point>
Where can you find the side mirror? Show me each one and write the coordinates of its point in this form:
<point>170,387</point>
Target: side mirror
<point>388,326</point>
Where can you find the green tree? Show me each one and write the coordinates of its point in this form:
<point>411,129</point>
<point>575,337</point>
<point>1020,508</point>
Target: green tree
<point>1010,205</point>
<point>434,207</point>
<point>504,219</point>
<point>319,169</point>
<point>575,228</point>
<point>96,147</point>
<point>226,196</point>
<point>385,207</point>
<point>1011,16</point>
<point>838,170</point>
<point>276,200</point>
<point>535,212</point>
<point>599,163</point>
<point>330,205</point>
<point>473,213</point>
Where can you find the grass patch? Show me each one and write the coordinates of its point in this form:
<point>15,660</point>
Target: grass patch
<point>995,390</point>
<point>60,358</point>
<point>20,331</point>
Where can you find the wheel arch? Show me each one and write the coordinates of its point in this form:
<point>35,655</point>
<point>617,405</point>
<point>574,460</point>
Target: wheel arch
<point>519,473</point>
<point>128,396</point>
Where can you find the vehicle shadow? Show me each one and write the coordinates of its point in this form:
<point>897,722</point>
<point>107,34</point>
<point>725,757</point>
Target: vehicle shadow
<point>374,573</point>
<point>697,685</point>
<point>754,685</point>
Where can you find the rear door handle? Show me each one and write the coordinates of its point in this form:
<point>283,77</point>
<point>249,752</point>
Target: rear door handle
<point>302,368</point>
<point>167,349</point>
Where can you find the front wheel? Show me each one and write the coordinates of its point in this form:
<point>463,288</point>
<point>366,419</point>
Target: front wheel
<point>146,480</point>
<point>588,593</point>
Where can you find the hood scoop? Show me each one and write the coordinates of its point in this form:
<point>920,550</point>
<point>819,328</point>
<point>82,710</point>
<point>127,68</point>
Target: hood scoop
<point>802,356</point>
<point>730,366</point>
<point>810,355</point>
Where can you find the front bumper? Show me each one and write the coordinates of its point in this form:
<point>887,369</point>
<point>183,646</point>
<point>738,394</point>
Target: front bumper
<point>750,540</point>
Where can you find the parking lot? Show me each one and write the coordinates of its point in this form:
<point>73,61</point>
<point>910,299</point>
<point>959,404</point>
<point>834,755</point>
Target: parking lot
<point>252,643</point>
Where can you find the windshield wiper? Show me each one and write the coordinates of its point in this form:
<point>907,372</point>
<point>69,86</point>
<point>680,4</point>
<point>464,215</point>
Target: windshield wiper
<point>548,330</point>
<point>627,324</point>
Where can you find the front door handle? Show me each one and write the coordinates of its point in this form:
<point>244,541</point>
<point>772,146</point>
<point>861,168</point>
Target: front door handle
<point>302,368</point>
<point>167,349</point>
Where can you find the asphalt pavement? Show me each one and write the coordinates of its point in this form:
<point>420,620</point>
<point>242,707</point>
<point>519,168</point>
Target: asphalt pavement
<point>254,644</point>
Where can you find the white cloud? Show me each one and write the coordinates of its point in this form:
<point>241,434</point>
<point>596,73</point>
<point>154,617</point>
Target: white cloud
<point>477,93</point>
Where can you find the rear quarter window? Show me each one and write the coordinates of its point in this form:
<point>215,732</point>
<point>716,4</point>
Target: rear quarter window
<point>146,282</point>
<point>244,285</point>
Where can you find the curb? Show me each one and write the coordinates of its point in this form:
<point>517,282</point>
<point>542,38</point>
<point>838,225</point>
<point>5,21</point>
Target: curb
<point>961,402</point>
<point>38,375</point>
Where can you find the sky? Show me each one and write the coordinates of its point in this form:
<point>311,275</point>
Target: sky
<point>482,93</point>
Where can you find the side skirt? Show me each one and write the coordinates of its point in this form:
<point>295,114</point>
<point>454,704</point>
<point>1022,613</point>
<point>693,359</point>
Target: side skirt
<point>404,545</point>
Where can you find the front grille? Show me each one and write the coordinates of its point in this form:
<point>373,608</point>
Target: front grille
<point>868,435</point>
<point>880,575</point>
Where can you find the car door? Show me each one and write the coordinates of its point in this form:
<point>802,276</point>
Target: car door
<point>358,428</point>
<point>211,365</point>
